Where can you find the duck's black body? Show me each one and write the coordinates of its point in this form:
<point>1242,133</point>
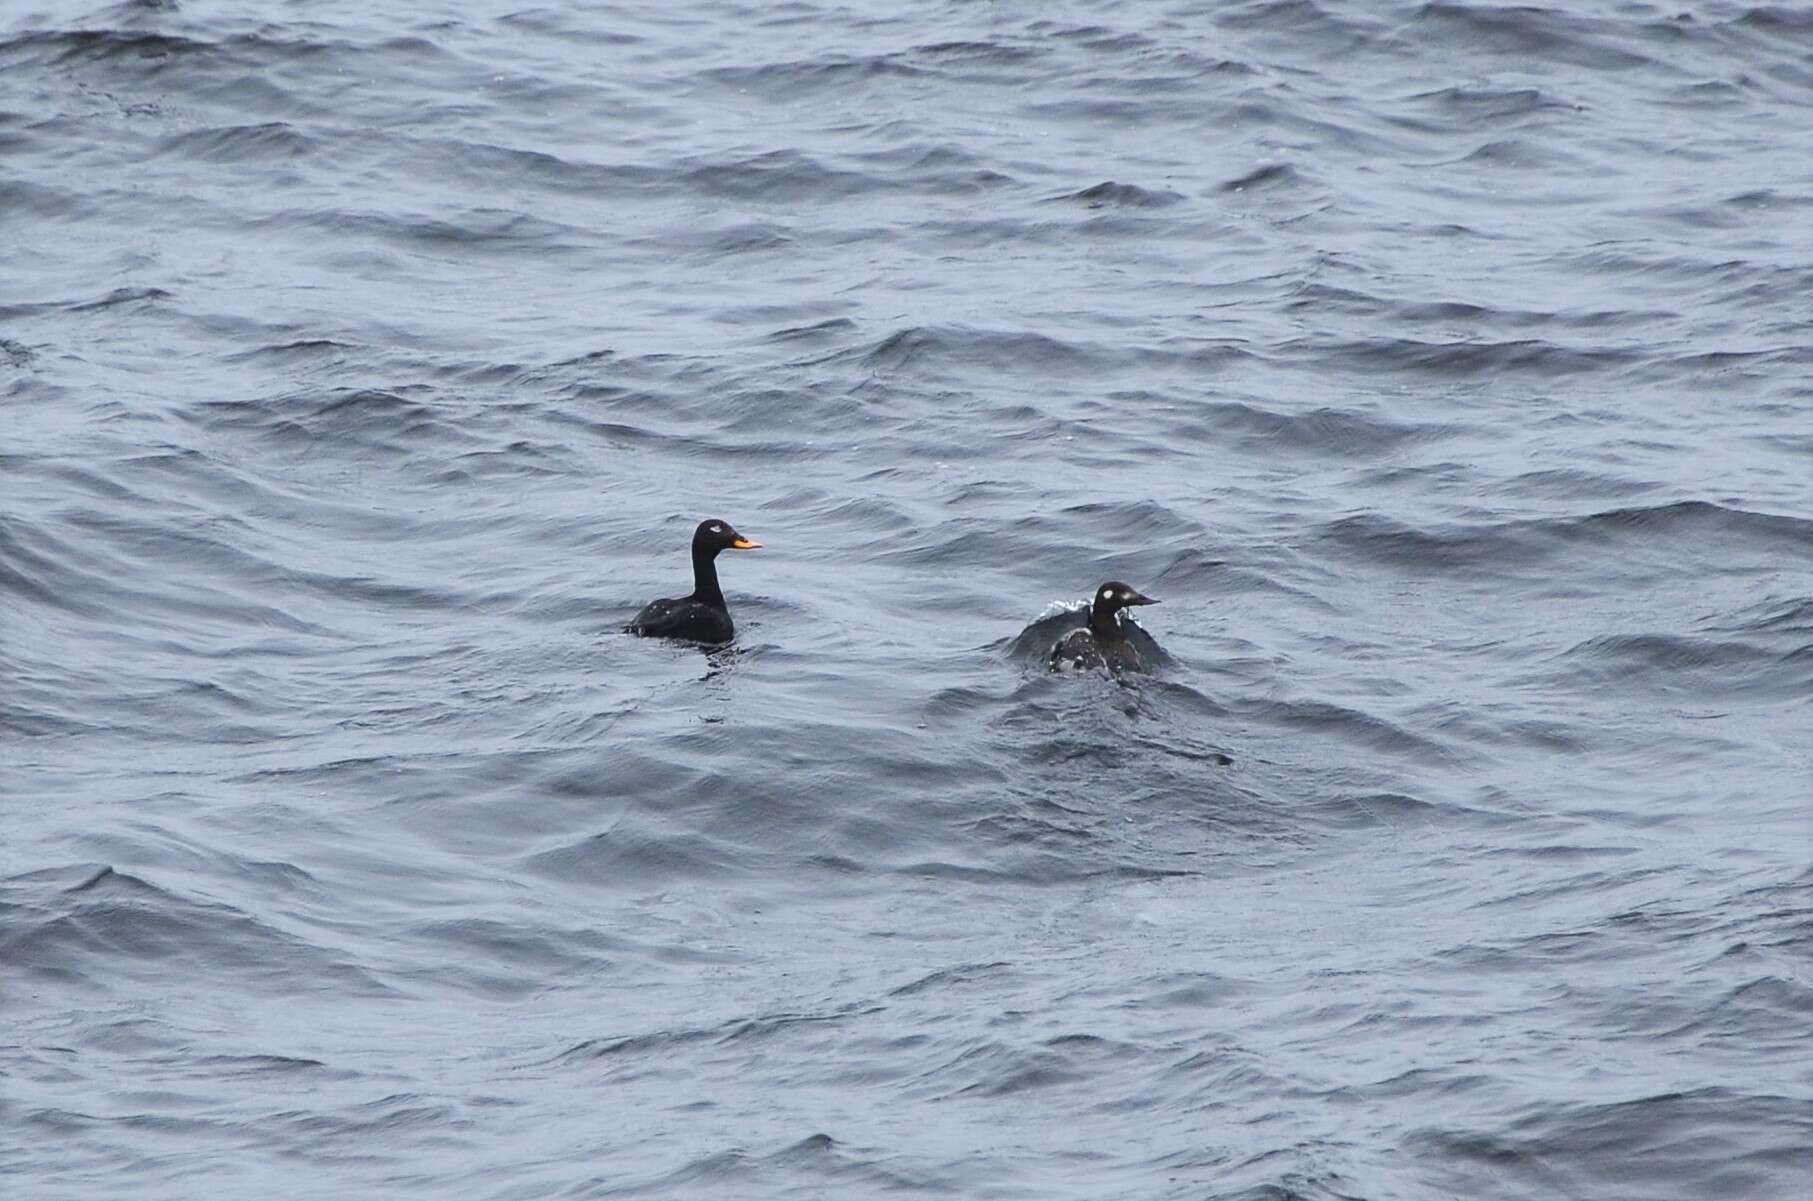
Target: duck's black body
<point>1104,643</point>
<point>701,616</point>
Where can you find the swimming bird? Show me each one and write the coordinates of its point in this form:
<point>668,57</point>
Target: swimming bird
<point>1104,643</point>
<point>701,616</point>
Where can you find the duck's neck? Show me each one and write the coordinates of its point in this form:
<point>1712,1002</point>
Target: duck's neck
<point>1104,625</point>
<point>705,577</point>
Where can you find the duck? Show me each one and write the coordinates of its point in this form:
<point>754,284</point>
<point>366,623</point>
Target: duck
<point>1103,643</point>
<point>702,615</point>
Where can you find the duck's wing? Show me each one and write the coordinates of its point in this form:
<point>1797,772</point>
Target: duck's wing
<point>653,615</point>
<point>683,618</point>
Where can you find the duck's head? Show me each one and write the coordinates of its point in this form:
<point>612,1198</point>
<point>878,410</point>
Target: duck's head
<point>1115,595</point>
<point>1110,599</point>
<point>714,535</point>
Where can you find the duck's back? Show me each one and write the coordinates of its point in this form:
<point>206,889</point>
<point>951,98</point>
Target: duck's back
<point>1077,651</point>
<point>684,617</point>
<point>1081,650</point>
<point>1122,655</point>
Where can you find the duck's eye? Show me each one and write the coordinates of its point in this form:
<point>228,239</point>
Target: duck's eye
<point>717,529</point>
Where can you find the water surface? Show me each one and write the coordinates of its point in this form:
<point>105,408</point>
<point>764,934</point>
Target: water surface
<point>1443,367</point>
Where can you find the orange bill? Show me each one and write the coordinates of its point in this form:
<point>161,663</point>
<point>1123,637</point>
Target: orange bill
<point>746,544</point>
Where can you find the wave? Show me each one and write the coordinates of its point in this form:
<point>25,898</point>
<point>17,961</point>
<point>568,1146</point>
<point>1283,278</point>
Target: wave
<point>95,925</point>
<point>1123,195</point>
<point>1510,547</point>
<point>1702,1142</point>
<point>1530,358</point>
<point>271,141</point>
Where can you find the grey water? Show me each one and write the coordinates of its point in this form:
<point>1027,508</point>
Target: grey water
<point>1445,369</point>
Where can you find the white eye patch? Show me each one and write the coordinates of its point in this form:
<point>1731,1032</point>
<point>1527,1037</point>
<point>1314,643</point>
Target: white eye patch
<point>717,529</point>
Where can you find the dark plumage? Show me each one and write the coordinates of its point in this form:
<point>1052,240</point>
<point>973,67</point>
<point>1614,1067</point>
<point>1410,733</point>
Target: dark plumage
<point>1104,643</point>
<point>701,616</point>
